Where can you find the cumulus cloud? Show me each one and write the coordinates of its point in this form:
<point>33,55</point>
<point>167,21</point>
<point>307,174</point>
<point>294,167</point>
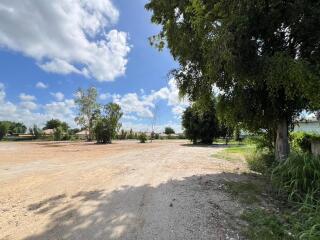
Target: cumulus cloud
<point>66,36</point>
<point>138,108</point>
<point>25,110</point>
<point>26,97</point>
<point>41,85</point>
<point>29,105</point>
<point>105,96</point>
<point>59,96</point>
<point>131,103</point>
<point>143,105</point>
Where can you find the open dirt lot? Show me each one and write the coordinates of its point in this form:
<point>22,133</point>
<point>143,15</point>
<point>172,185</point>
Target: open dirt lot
<point>82,191</point>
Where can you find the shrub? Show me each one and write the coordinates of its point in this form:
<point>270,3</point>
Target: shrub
<point>299,176</point>
<point>103,131</point>
<point>142,138</point>
<point>301,141</point>
<point>58,134</point>
<point>260,161</point>
<point>3,130</point>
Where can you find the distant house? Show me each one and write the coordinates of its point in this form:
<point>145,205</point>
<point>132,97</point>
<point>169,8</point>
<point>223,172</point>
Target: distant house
<point>310,126</point>
<point>82,134</point>
<point>48,132</point>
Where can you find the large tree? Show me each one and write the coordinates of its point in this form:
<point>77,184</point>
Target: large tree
<point>263,55</point>
<point>56,123</point>
<point>86,100</point>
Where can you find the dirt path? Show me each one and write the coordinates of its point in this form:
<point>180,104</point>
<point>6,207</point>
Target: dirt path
<point>164,190</point>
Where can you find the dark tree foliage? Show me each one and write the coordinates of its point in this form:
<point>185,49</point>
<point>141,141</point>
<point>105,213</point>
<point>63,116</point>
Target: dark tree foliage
<point>263,55</point>
<point>200,122</point>
<point>169,130</point>
<point>14,127</point>
<point>56,123</point>
<point>3,129</point>
<point>107,123</point>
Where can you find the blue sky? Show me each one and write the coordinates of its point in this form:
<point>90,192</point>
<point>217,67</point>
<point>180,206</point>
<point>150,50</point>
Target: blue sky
<point>49,50</point>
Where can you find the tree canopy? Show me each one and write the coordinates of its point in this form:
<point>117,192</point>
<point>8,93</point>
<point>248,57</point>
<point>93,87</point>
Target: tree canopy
<point>200,122</point>
<point>86,100</point>
<point>263,55</point>
<point>107,123</point>
<point>56,123</point>
<point>169,130</point>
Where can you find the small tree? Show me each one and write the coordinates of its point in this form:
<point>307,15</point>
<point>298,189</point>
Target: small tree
<point>131,134</point>
<point>169,131</point>
<point>55,123</point>
<point>200,122</point>
<point>107,124</point>
<point>88,109</point>
<point>123,134</point>
<point>3,129</point>
<point>58,133</point>
<point>35,131</point>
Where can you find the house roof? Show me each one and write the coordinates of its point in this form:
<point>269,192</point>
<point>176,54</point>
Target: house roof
<point>83,132</point>
<point>48,131</point>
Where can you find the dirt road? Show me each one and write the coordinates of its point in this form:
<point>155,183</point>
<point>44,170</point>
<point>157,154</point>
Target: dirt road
<point>78,191</point>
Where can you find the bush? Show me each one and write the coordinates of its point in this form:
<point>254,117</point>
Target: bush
<point>3,130</point>
<point>58,134</point>
<point>103,132</point>
<point>299,176</point>
<point>260,161</point>
<point>142,138</point>
<point>301,141</point>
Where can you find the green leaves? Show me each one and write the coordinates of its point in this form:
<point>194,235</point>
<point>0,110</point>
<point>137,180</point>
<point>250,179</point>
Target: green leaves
<point>263,55</point>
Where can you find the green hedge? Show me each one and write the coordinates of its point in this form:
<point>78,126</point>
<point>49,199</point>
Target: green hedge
<point>301,141</point>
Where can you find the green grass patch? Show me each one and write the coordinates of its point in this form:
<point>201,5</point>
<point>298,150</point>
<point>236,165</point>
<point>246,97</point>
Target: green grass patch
<point>265,225</point>
<point>234,153</point>
<point>301,222</point>
<point>246,192</point>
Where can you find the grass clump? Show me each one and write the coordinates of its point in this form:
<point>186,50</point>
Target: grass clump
<point>246,192</point>
<point>260,161</point>
<point>298,180</point>
<point>299,177</point>
<point>301,223</point>
<point>264,225</point>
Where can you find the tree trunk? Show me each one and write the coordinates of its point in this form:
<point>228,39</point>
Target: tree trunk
<point>282,141</point>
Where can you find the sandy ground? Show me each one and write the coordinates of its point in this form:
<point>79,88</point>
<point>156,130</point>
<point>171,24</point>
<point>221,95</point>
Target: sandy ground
<point>80,191</point>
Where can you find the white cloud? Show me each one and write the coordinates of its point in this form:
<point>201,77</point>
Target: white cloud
<point>2,92</point>
<point>131,103</point>
<point>143,106</point>
<point>24,111</point>
<point>29,105</point>
<point>137,108</point>
<point>129,117</point>
<point>59,96</point>
<point>59,66</point>
<point>105,96</point>
<point>26,97</point>
<point>66,36</point>
<point>41,85</point>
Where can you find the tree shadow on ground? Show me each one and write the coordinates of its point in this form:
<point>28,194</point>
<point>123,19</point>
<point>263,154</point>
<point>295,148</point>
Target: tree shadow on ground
<point>196,207</point>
